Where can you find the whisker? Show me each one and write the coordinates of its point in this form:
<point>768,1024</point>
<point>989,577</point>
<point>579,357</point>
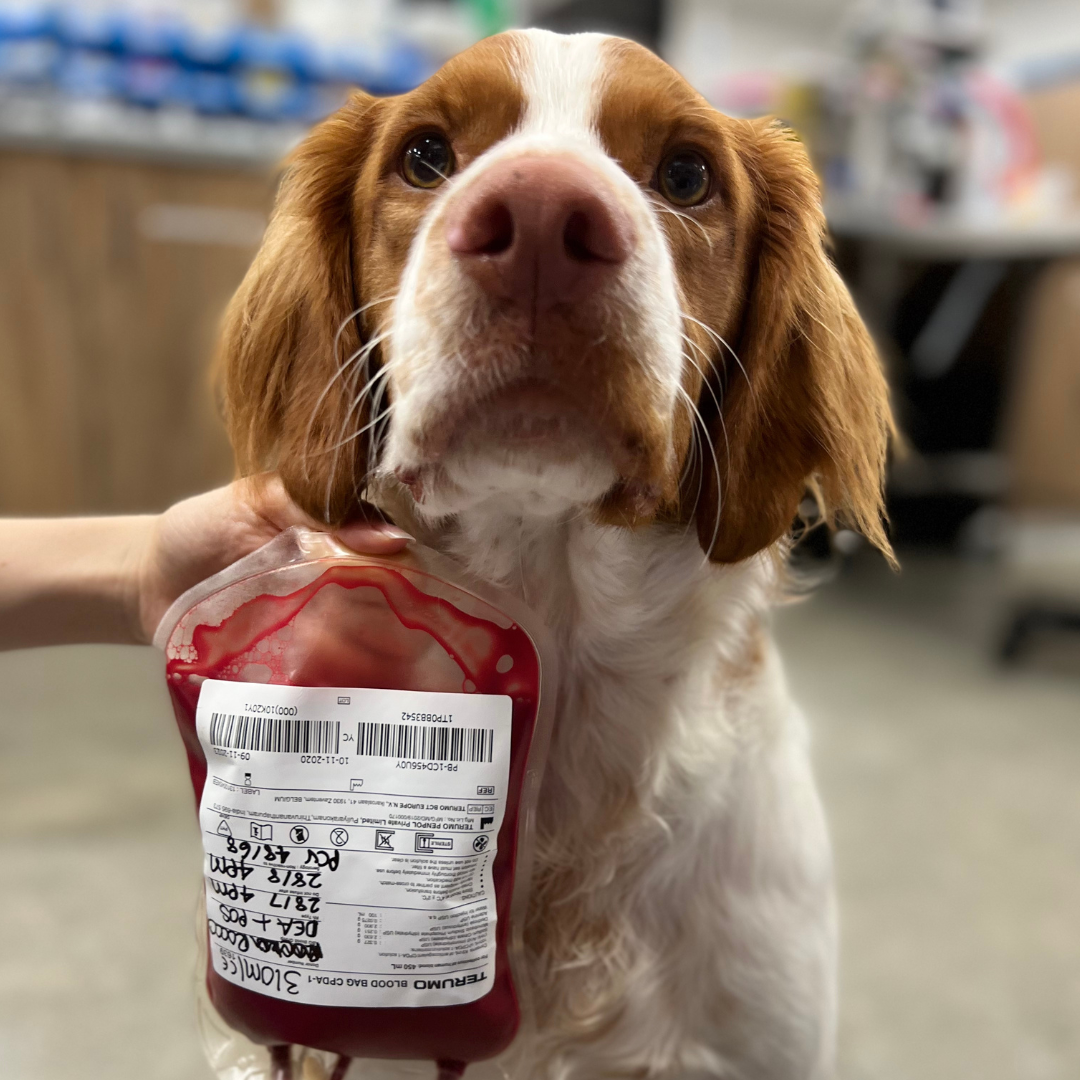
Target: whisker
<point>719,413</point>
<point>379,378</point>
<point>683,218</point>
<point>690,454</point>
<point>362,355</point>
<point>716,466</point>
<point>352,365</point>
<point>379,421</point>
<point>363,352</point>
<point>721,343</point>
<point>359,311</point>
<point>349,368</point>
<point>695,457</point>
<point>371,423</point>
<point>337,453</point>
<point>441,175</point>
<point>719,407</point>
<point>375,435</point>
<point>715,337</point>
<point>704,378</point>
<point>668,210</point>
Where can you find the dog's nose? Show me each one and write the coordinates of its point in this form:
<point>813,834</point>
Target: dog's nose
<point>540,231</point>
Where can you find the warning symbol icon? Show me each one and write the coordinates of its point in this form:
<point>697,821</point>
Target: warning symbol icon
<point>223,827</point>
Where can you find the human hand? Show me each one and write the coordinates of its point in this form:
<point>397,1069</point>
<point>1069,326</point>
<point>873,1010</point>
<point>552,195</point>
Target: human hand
<point>202,535</point>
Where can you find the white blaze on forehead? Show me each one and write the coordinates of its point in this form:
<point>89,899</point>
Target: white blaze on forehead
<point>440,316</point>
<point>561,79</point>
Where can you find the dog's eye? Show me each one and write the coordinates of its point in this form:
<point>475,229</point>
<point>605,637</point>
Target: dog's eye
<point>428,161</point>
<point>684,178</point>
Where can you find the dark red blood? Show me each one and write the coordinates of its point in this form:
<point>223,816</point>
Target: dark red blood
<point>281,1062</point>
<point>370,626</point>
<point>341,1067</point>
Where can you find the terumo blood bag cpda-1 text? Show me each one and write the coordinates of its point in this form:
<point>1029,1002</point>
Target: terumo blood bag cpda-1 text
<point>365,738</point>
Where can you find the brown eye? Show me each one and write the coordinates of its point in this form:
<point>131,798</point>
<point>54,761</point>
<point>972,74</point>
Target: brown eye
<point>428,161</point>
<point>684,178</point>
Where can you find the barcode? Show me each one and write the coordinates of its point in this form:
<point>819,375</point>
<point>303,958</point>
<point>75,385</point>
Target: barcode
<point>275,734</point>
<point>421,742</point>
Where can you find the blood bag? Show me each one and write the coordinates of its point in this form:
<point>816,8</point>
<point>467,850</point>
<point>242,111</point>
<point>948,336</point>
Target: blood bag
<point>365,737</point>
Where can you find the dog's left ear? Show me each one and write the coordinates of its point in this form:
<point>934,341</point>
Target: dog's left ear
<point>291,331</point>
<point>807,403</point>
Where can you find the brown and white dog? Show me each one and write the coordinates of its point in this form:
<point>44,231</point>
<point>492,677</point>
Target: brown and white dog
<point>579,330</point>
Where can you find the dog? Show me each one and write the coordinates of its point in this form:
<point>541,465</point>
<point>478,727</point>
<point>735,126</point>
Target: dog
<point>578,330</point>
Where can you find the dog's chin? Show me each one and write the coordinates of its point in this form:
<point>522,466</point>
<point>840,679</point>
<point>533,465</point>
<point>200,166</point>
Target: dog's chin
<point>527,451</point>
<point>520,482</point>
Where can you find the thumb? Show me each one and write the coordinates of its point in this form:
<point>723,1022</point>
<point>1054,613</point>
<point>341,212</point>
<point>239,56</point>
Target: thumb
<point>374,537</point>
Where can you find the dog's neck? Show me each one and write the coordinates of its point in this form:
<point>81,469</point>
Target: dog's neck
<point>620,600</point>
<point>648,634</point>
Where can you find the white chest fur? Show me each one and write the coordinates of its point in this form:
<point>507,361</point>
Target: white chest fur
<point>682,918</point>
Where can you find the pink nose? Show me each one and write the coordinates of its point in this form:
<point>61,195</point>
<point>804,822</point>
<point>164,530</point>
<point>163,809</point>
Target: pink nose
<point>540,231</point>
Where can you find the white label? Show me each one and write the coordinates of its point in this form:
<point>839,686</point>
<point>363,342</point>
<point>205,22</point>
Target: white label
<point>349,837</point>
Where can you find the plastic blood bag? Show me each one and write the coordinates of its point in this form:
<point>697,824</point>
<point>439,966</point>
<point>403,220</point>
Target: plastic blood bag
<point>365,740</point>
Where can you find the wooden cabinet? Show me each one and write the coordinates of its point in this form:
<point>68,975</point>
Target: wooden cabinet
<point>1043,418</point>
<point>113,277</point>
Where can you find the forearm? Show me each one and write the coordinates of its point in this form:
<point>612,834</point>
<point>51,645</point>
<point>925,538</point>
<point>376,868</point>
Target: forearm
<point>111,579</point>
<point>68,580</point>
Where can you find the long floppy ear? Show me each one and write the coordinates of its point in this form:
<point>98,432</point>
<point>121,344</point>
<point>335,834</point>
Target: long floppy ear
<point>290,330</point>
<point>806,403</point>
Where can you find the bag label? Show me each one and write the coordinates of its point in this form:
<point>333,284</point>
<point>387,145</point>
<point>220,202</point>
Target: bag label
<point>349,836</point>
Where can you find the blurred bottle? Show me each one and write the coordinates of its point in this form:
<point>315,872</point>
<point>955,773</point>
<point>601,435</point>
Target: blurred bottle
<point>910,114</point>
<point>918,126</point>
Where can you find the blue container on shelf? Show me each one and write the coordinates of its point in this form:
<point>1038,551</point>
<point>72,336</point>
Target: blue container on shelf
<point>151,75</point>
<point>403,67</point>
<point>211,50</point>
<point>95,51</point>
<point>89,64</point>
<point>153,81</point>
<point>29,50</point>
<point>90,74</point>
<point>208,58</point>
<point>212,93</point>
<point>80,28</point>
<point>270,75</point>
<point>150,36</point>
<point>395,69</point>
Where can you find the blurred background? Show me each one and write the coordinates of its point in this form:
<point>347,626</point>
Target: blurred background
<point>138,150</point>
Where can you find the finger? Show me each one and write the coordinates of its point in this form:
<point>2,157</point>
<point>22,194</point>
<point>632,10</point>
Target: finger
<point>374,538</point>
<point>271,502</point>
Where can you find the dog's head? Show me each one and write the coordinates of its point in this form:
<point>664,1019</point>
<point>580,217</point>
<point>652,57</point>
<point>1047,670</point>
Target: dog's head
<point>554,276</point>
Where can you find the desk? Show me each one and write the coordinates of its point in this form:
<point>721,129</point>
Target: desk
<point>973,312</point>
<point>982,250</point>
<point>948,240</point>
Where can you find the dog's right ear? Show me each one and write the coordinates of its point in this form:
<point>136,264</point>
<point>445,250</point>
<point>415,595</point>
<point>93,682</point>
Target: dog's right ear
<point>806,402</point>
<point>292,327</point>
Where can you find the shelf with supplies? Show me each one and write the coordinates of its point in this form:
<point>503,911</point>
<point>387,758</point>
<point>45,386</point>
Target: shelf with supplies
<point>120,130</point>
